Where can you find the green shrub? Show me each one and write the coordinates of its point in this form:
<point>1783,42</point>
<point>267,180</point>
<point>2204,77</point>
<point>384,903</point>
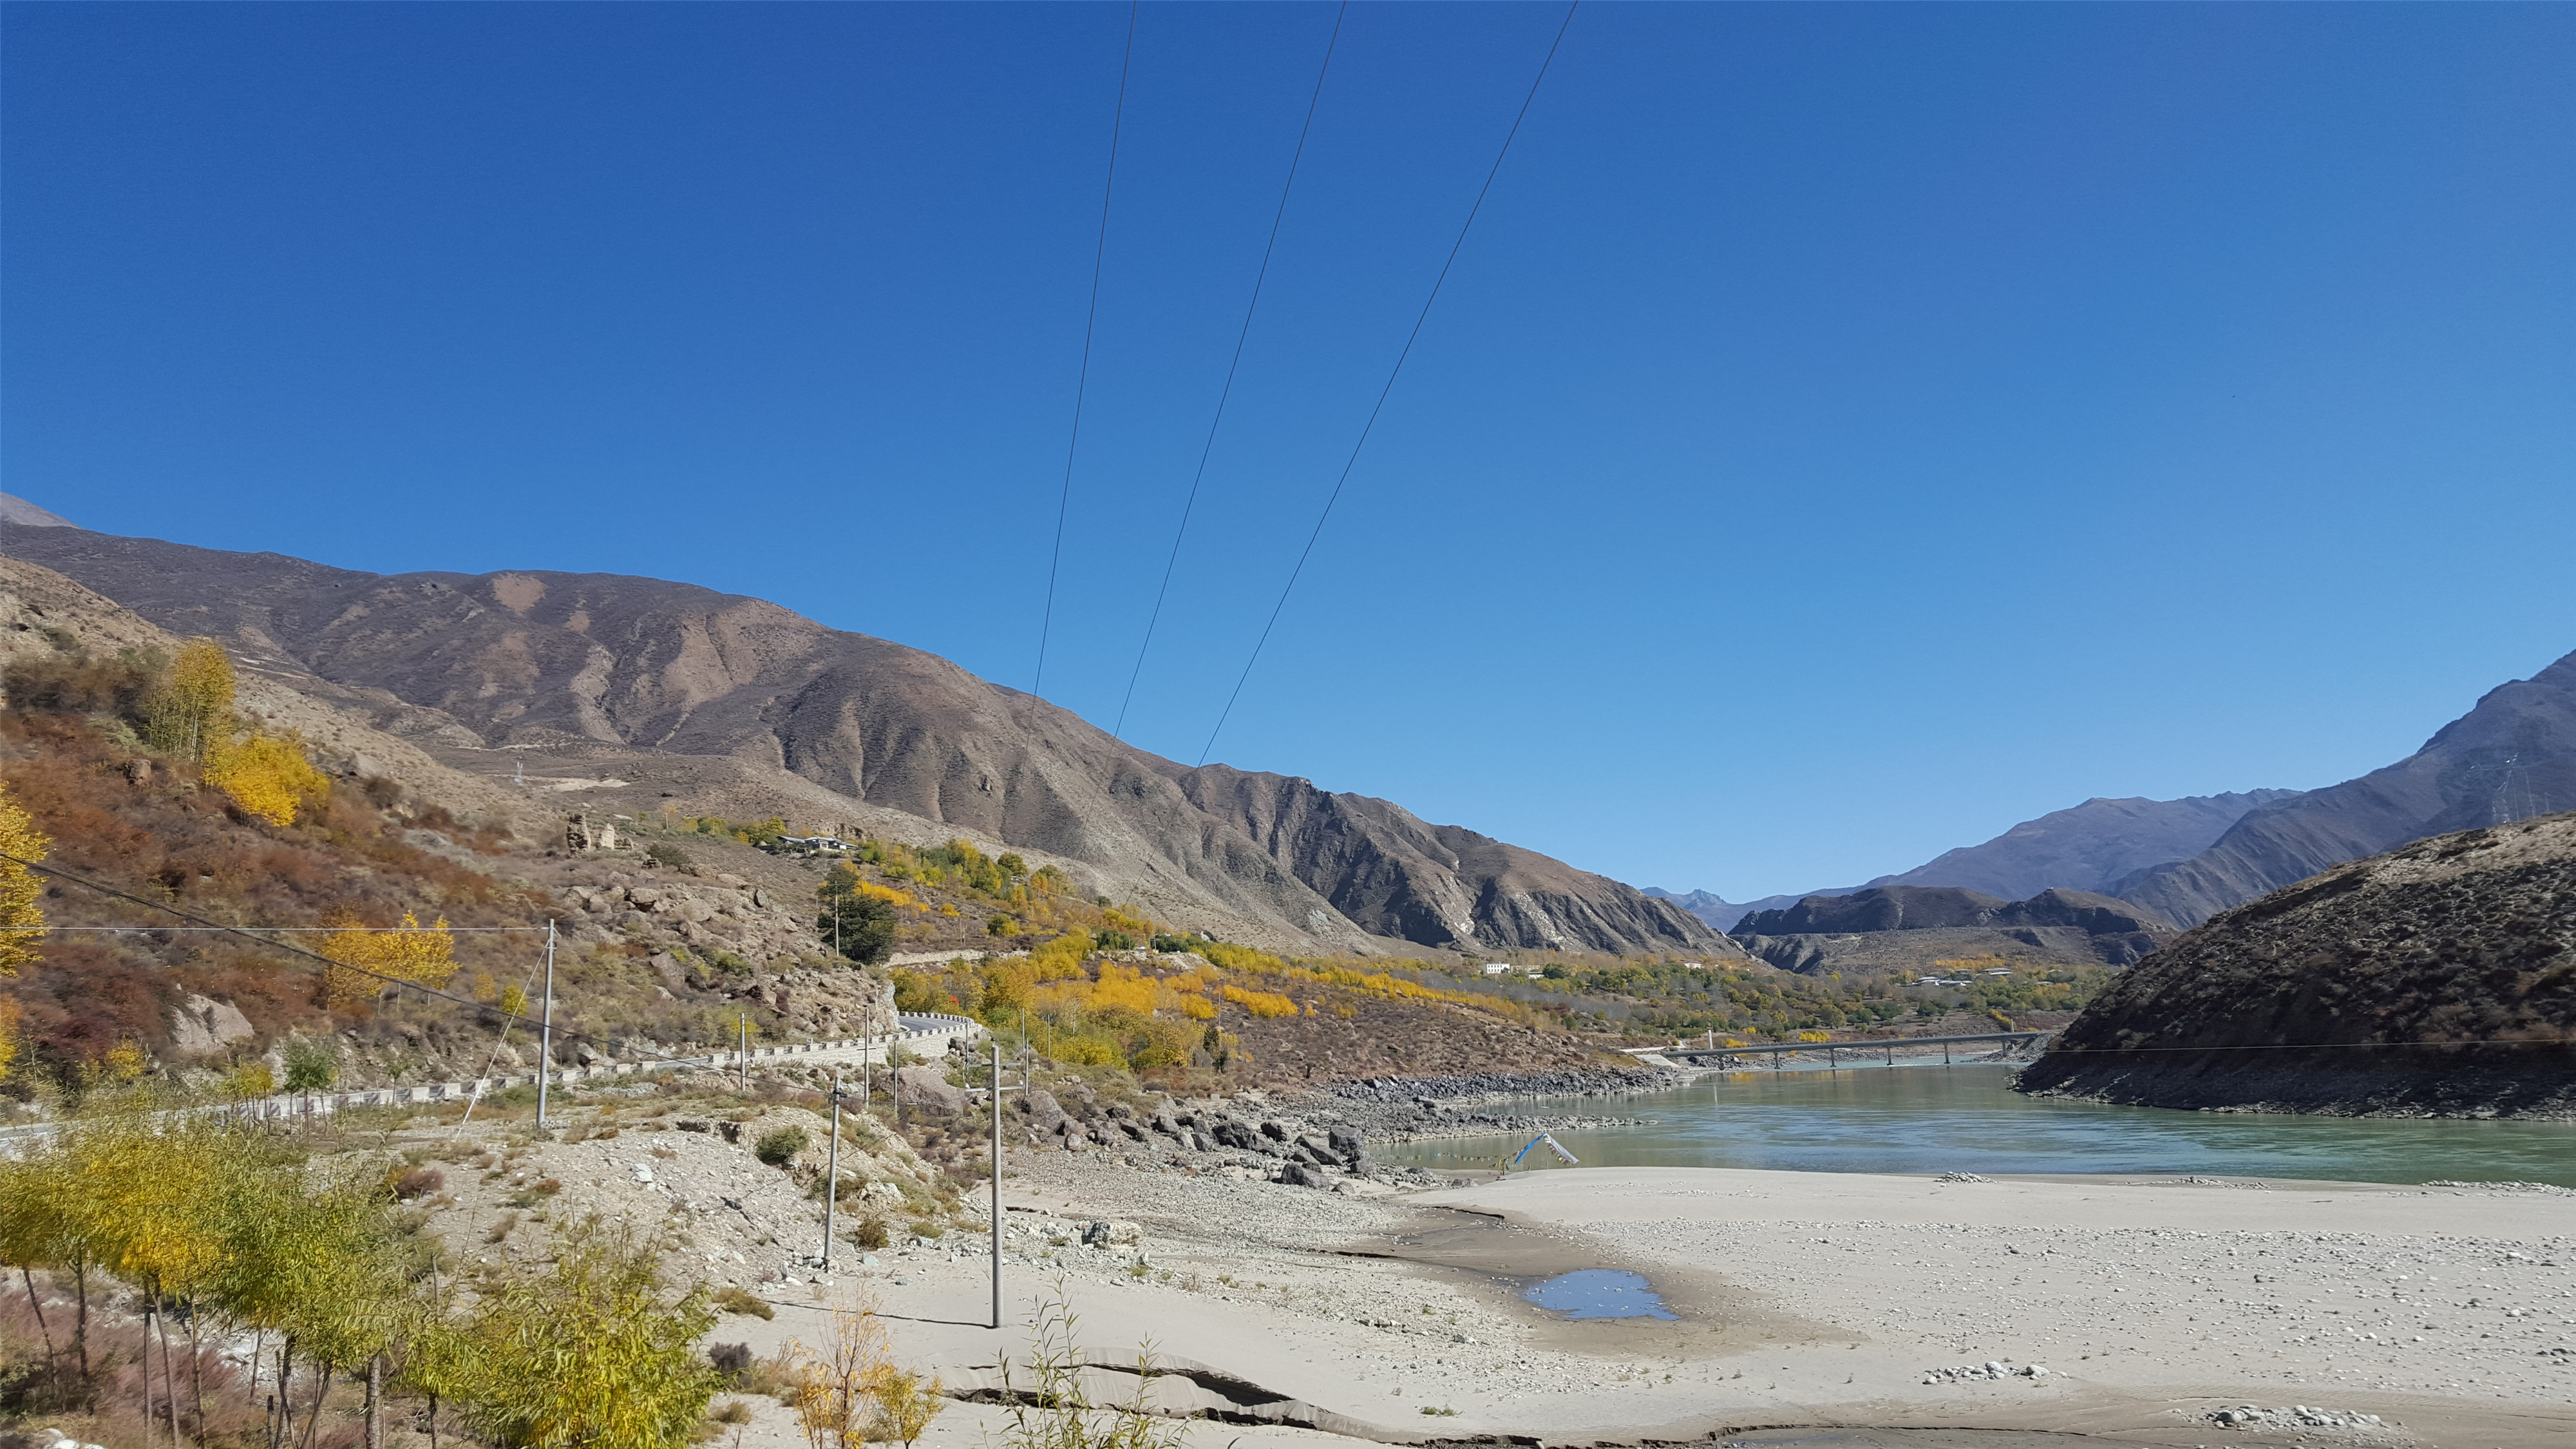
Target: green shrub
<point>665,853</point>
<point>311,1066</point>
<point>779,1146</point>
<point>872,1233</point>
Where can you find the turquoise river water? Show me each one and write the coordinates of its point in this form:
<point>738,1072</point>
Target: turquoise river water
<point>1927,1119</point>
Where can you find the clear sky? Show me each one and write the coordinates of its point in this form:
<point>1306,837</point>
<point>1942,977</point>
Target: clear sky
<point>1849,429</point>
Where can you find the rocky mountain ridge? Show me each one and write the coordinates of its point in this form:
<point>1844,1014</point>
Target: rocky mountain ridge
<point>627,691</point>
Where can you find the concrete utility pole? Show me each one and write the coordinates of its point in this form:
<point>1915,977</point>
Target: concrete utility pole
<point>546,1031</point>
<point>832,1174</point>
<point>997,1183</point>
<point>742,1047</point>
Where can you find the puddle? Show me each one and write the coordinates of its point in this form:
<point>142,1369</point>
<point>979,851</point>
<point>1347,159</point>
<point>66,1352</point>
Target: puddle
<point>1599,1293</point>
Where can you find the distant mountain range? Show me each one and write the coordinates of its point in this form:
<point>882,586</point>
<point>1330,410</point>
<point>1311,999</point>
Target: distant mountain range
<point>625,693</point>
<point>2087,847</point>
<point>2512,757</point>
<point>1912,928</point>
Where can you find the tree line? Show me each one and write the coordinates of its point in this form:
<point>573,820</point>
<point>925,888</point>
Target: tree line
<point>222,1228</point>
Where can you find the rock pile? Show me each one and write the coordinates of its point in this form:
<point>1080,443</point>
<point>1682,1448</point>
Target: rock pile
<point>707,911</point>
<point>2297,1416</point>
<point>1990,1369</point>
<point>1239,1138</point>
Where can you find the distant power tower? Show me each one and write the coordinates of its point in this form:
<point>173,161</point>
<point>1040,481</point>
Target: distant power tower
<point>2512,798</point>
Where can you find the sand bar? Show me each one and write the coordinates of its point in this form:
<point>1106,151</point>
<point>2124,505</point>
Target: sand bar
<point>1802,1299</point>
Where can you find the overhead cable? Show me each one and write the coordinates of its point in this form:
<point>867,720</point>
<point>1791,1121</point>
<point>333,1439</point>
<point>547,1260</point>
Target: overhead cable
<point>1232,367</point>
<point>1392,373</point>
<point>245,932</point>
<point>1082,379</point>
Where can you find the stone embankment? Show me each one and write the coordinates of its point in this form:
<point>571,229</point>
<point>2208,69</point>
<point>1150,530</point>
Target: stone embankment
<point>1246,1138</point>
<point>1409,1109</point>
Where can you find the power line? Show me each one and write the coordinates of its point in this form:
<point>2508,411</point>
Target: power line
<point>1227,391</point>
<point>284,930</point>
<point>1392,374</point>
<point>1082,380</point>
<point>245,934</point>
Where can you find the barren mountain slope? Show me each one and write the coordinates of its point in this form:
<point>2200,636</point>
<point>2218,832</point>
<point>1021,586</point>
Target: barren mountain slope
<point>2510,758</point>
<point>2437,980</point>
<point>2088,846</point>
<point>639,675</point>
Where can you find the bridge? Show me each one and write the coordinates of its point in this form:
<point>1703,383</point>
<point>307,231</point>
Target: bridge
<point>1833,1050</point>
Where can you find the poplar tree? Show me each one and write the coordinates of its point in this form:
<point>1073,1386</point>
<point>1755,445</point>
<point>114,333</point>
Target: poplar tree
<point>21,918</point>
<point>190,711</point>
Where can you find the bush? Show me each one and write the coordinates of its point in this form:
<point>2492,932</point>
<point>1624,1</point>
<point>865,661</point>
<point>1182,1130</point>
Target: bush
<point>779,1146</point>
<point>665,853</point>
<point>412,1184</point>
<point>748,1303</point>
<point>1109,940</point>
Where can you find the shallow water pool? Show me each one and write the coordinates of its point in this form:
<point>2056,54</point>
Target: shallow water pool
<point>1599,1293</point>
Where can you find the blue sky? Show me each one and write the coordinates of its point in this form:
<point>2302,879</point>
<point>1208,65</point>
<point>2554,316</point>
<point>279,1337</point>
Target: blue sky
<point>1849,429</point>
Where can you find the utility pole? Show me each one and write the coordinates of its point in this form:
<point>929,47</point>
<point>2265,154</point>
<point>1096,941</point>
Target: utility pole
<point>546,1032</point>
<point>832,1175</point>
<point>742,1047</point>
<point>997,1183</point>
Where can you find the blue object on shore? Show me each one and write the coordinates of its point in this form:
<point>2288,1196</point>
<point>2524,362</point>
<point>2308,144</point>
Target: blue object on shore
<point>1599,1293</point>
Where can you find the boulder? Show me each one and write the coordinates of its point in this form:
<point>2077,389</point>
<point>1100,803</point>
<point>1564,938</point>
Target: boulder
<point>928,1087</point>
<point>1044,1115</point>
<point>203,1024</point>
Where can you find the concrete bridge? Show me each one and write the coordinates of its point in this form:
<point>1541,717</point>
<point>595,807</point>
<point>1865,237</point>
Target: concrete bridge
<point>1833,1051</point>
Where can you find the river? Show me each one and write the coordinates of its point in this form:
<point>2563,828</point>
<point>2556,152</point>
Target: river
<point>1929,1119</point>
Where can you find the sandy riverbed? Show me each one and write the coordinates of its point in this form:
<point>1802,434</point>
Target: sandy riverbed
<point>1803,1299</point>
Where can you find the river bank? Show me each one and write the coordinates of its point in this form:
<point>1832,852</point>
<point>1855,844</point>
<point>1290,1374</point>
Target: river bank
<point>1799,1299</point>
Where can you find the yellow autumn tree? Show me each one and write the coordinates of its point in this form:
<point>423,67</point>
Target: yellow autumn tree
<point>267,776</point>
<point>190,712</point>
<point>425,955</point>
<point>21,919</point>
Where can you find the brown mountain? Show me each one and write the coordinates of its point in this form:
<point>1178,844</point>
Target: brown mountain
<point>2510,758</point>
<point>627,691</point>
<point>2439,980</point>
